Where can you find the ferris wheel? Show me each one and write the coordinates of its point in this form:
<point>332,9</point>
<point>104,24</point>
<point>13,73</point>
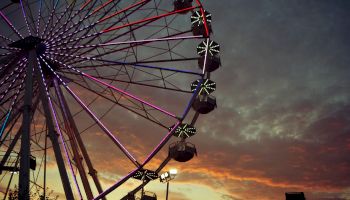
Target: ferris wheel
<point>77,75</point>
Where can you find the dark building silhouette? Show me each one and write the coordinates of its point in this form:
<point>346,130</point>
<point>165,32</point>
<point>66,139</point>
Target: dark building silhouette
<point>295,196</point>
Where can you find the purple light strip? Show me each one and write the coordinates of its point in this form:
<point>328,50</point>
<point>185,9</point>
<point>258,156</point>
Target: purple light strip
<point>65,148</point>
<point>206,56</point>
<point>49,21</point>
<point>72,26</point>
<point>10,24</point>
<point>59,19</point>
<point>114,139</point>
<point>6,38</point>
<point>154,152</point>
<point>5,54</point>
<point>161,144</point>
<point>21,64</point>
<point>13,81</point>
<point>49,36</point>
<point>39,17</point>
<point>59,131</point>
<point>11,107</point>
<point>129,95</point>
<point>69,35</point>
<point>119,90</point>
<point>4,66</point>
<point>25,17</point>
<point>130,42</point>
<point>8,64</point>
<point>121,63</point>
<point>17,92</point>
<point>139,4</point>
<point>10,48</point>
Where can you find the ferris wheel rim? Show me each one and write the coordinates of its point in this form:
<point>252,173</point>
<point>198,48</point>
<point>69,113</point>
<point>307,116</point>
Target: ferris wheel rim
<point>179,118</point>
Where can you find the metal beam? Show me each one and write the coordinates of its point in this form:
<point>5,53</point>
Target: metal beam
<point>73,141</point>
<point>74,128</point>
<point>24,171</point>
<point>15,139</point>
<point>53,136</point>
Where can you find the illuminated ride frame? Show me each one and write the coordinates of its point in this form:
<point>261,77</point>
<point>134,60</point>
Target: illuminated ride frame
<point>50,48</point>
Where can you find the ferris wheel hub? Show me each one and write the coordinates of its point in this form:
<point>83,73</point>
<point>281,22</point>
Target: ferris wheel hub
<point>27,43</point>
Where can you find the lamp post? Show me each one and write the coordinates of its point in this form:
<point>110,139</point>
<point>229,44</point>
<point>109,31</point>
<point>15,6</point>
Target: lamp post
<point>166,178</point>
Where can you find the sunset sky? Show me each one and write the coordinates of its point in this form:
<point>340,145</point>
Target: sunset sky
<point>283,118</point>
<point>282,123</point>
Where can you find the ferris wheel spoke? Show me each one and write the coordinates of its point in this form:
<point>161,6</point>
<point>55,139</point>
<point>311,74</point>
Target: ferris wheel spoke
<point>101,7</point>
<point>141,82</point>
<point>12,86</point>
<point>8,118</point>
<point>95,118</point>
<point>25,17</point>
<point>11,109</point>
<point>134,110</point>
<point>4,70</point>
<point>47,105</point>
<point>13,119</point>
<point>72,128</point>
<point>92,25</point>
<point>31,16</point>
<point>39,18</point>
<point>7,100</point>
<point>136,42</point>
<point>52,13</point>
<point>143,102</point>
<point>6,6</point>
<point>6,54</point>
<point>74,27</point>
<point>10,24</point>
<point>160,76</point>
<point>122,10</point>
<point>65,148</point>
<point>57,33</point>
<point>154,152</point>
<point>9,48</point>
<point>180,34</point>
<point>103,127</point>
<point>87,2</point>
<point>147,19</point>
<point>148,79</point>
<point>72,140</point>
<point>5,62</point>
<point>119,63</point>
<point>95,35</point>
<point>3,95</point>
<point>6,38</point>
<point>16,70</point>
<point>13,72</point>
<point>169,60</point>
<point>58,20</point>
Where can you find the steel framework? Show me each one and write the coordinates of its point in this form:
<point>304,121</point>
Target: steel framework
<point>59,59</point>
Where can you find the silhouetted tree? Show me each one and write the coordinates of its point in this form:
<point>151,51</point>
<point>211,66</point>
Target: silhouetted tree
<point>13,195</point>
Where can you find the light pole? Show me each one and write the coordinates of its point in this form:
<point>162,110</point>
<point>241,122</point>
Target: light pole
<point>166,178</point>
